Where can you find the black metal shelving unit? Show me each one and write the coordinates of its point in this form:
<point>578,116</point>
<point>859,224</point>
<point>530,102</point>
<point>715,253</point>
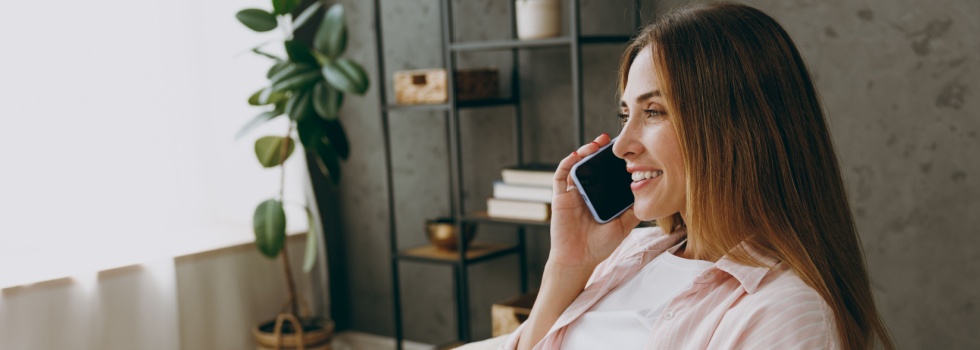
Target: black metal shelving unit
<point>478,251</point>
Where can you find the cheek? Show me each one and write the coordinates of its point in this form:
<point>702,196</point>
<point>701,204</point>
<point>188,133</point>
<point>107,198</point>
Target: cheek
<point>673,161</point>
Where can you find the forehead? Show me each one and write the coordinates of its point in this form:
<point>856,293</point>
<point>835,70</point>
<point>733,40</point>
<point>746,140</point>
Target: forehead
<point>642,77</point>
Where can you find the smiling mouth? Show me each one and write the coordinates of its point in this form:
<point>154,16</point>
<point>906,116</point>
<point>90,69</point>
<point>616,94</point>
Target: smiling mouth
<point>644,175</point>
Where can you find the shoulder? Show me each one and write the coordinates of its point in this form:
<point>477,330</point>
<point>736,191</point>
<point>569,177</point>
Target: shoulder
<point>638,240</point>
<point>644,235</point>
<point>784,312</point>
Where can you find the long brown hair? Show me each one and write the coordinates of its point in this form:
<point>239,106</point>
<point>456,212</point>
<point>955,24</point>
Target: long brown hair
<point>761,167</point>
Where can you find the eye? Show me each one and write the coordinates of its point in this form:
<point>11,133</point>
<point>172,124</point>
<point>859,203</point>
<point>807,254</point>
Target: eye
<point>623,118</point>
<point>653,113</point>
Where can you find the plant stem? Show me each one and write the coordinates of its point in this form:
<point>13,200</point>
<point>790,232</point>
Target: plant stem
<point>293,301</point>
<point>282,155</point>
<point>284,253</point>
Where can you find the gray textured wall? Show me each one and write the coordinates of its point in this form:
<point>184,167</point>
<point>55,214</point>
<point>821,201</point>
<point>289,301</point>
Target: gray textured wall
<point>899,80</point>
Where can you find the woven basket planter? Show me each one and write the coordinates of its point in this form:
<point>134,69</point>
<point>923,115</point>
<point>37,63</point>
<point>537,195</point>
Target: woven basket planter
<point>283,333</point>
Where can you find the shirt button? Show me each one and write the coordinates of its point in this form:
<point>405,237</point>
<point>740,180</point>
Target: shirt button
<point>668,316</point>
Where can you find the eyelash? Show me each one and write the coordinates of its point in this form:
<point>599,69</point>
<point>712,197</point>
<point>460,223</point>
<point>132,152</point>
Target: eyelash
<point>623,117</point>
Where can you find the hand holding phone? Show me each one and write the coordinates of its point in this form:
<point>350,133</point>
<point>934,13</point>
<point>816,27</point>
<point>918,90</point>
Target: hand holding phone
<point>604,183</point>
<point>583,232</point>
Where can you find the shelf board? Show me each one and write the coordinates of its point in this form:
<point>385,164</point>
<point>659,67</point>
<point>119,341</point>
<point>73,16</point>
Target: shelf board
<point>460,104</point>
<point>509,44</point>
<point>478,251</point>
<point>533,43</point>
<point>604,39</point>
<point>481,216</point>
<point>486,103</point>
<point>418,107</point>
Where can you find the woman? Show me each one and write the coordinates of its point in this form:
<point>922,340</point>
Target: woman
<point>755,247</point>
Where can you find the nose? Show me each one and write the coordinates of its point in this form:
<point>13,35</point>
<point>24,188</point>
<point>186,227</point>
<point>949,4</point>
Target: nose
<point>627,143</point>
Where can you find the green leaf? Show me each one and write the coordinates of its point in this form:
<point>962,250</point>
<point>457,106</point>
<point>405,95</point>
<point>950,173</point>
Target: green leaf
<point>283,7</point>
<point>265,96</point>
<point>254,99</point>
<point>258,120</point>
<point>311,243</point>
<point>310,132</point>
<point>299,53</point>
<point>298,106</point>
<point>346,75</point>
<point>276,68</point>
<point>298,81</point>
<point>257,20</point>
<point>306,15</point>
<point>334,132</point>
<point>328,161</point>
<point>269,225</point>
<point>266,54</point>
<point>331,37</point>
<point>269,150</point>
<point>290,70</point>
<point>327,100</point>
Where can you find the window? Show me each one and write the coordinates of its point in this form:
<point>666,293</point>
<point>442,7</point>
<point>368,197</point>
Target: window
<point>117,130</point>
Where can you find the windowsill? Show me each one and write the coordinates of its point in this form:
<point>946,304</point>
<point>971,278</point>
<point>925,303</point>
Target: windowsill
<point>33,269</point>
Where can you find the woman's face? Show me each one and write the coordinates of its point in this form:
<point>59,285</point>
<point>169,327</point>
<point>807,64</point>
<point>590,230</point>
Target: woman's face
<point>649,144</point>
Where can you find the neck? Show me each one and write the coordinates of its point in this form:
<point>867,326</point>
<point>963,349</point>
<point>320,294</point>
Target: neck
<point>683,252</point>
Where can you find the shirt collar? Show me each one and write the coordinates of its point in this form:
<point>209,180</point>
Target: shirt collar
<point>749,276</point>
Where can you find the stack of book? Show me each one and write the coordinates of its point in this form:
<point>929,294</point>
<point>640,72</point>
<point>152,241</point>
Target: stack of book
<point>524,193</point>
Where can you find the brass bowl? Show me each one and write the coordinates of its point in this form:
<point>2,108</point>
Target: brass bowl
<point>443,233</point>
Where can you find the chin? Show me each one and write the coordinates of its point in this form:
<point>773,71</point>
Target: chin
<point>645,212</point>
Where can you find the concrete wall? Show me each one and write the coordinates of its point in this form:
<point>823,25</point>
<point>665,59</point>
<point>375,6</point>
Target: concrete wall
<point>898,79</point>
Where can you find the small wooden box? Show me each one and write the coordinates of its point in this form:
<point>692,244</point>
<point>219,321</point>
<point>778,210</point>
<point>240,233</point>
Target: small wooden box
<point>477,83</point>
<point>509,314</point>
<point>421,86</point>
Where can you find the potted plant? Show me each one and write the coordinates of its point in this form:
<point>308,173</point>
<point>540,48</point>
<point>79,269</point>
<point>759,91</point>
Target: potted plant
<point>538,19</point>
<point>307,86</point>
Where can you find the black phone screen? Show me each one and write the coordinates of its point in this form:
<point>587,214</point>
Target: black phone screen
<point>604,182</point>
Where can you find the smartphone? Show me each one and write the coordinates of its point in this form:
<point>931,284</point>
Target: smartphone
<point>604,183</point>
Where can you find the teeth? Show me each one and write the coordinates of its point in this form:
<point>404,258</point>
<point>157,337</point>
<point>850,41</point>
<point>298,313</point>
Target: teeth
<point>643,175</point>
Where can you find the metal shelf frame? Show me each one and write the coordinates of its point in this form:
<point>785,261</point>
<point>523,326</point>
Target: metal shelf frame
<point>574,41</point>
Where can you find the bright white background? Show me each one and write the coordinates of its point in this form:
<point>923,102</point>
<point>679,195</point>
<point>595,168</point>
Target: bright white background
<point>116,134</point>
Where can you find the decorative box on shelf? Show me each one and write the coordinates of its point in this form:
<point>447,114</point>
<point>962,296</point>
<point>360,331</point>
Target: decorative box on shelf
<point>423,86</point>
<point>477,84</point>
<point>507,315</point>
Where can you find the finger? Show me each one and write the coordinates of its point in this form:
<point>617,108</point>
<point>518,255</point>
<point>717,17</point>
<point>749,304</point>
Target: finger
<point>603,139</point>
<point>593,146</point>
<point>564,169</point>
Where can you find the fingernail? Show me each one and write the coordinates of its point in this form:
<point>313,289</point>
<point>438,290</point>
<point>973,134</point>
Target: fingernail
<point>596,144</point>
<point>605,134</point>
<point>574,154</point>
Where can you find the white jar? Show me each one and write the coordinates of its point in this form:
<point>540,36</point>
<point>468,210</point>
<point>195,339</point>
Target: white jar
<point>538,19</point>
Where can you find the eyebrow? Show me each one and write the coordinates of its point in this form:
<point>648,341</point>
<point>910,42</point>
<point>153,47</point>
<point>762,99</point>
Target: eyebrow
<point>643,97</point>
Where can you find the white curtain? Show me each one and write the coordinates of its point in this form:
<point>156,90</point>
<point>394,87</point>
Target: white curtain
<point>130,308</point>
<point>203,301</point>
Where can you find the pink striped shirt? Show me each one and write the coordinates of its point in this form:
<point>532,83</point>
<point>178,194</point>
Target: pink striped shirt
<point>729,306</point>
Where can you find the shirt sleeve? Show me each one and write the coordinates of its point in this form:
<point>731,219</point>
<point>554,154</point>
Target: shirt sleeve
<point>799,320</point>
<point>511,343</point>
